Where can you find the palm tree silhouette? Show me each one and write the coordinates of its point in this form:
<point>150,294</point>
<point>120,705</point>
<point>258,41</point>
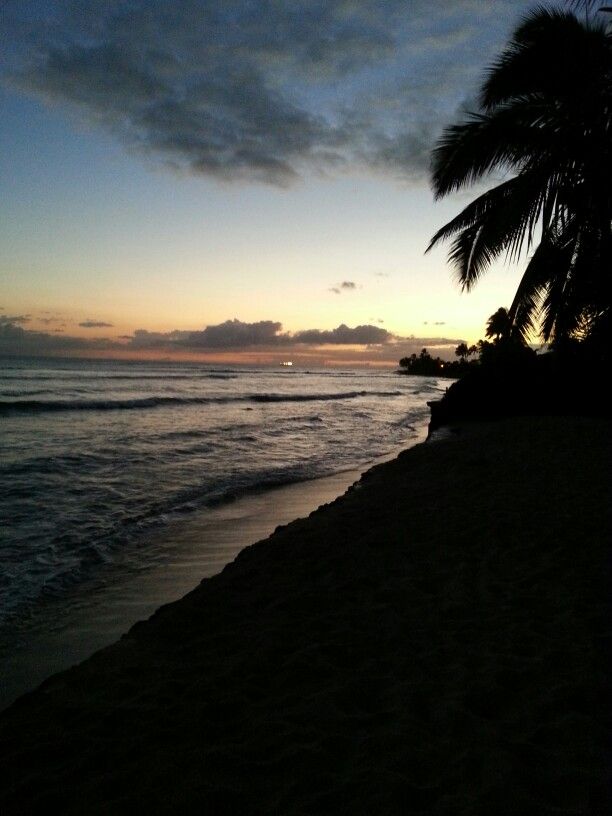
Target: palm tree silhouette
<point>499,325</point>
<point>545,120</point>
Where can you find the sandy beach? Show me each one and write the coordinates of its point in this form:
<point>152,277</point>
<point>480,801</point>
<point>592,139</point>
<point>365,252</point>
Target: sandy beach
<point>434,641</point>
<point>69,631</point>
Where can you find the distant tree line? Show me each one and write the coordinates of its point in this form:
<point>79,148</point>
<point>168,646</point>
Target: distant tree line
<point>503,346</point>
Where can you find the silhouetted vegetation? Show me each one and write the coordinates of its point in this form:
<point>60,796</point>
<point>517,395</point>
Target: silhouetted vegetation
<point>544,117</point>
<point>504,350</point>
<point>425,365</point>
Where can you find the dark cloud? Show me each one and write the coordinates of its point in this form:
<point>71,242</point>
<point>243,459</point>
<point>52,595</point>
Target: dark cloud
<point>235,333</point>
<point>260,91</point>
<point>143,339</point>
<point>232,335</point>
<point>344,286</point>
<point>16,340</point>
<point>47,321</point>
<point>95,324</point>
<point>6,320</point>
<point>343,335</point>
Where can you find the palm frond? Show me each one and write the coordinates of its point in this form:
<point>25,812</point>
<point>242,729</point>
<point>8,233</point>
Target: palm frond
<point>503,219</point>
<point>510,138</point>
<point>551,254</point>
<point>545,117</point>
<point>551,53</point>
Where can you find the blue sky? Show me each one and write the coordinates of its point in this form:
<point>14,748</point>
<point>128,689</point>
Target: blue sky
<point>171,166</point>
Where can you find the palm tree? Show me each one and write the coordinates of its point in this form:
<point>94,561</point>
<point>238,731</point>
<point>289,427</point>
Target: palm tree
<point>545,120</point>
<point>462,351</point>
<point>588,5</point>
<point>499,325</point>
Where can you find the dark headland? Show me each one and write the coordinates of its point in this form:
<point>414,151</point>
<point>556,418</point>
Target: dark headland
<point>435,641</point>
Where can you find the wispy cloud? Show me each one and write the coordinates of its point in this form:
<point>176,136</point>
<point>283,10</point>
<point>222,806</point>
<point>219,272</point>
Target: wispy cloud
<point>344,286</point>
<point>95,324</point>
<point>260,91</point>
<point>48,321</point>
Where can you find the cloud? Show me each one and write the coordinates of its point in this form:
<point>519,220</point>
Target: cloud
<point>235,333</point>
<point>343,335</point>
<point>260,91</point>
<point>232,336</point>
<point>6,320</point>
<point>16,340</point>
<point>47,321</point>
<point>344,286</point>
<point>95,324</point>
<point>143,339</point>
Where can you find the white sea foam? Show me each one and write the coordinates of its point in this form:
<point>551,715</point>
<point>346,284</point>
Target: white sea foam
<point>117,448</point>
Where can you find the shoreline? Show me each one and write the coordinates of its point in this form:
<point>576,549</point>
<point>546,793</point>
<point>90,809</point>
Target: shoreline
<point>434,641</point>
<point>75,626</point>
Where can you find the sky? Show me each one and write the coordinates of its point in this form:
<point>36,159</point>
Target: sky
<point>236,179</point>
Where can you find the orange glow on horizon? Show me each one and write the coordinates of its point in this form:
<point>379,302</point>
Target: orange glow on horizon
<point>320,357</point>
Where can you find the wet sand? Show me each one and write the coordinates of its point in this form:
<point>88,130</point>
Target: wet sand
<point>178,557</point>
<point>435,641</point>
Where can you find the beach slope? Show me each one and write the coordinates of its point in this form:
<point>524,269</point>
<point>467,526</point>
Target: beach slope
<point>435,641</point>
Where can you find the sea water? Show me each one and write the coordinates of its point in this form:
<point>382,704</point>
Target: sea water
<point>97,458</point>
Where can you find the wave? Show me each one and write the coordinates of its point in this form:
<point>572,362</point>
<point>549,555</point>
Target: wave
<point>85,377</point>
<point>23,393</point>
<point>43,406</point>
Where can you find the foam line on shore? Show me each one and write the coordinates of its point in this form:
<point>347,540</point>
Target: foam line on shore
<point>69,630</point>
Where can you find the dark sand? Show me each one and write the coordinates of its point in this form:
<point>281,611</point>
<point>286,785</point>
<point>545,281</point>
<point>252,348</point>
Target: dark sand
<point>179,556</point>
<point>435,641</point>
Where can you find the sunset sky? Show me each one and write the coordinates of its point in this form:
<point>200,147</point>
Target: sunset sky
<point>236,179</point>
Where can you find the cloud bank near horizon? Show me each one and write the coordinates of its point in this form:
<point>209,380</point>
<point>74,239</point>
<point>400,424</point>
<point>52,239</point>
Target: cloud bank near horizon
<point>260,91</point>
<point>230,336</point>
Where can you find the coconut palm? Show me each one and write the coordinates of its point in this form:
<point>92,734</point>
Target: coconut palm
<point>499,325</point>
<point>545,120</point>
<point>462,351</point>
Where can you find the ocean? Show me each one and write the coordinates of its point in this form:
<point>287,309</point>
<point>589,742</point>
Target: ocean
<point>100,459</point>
